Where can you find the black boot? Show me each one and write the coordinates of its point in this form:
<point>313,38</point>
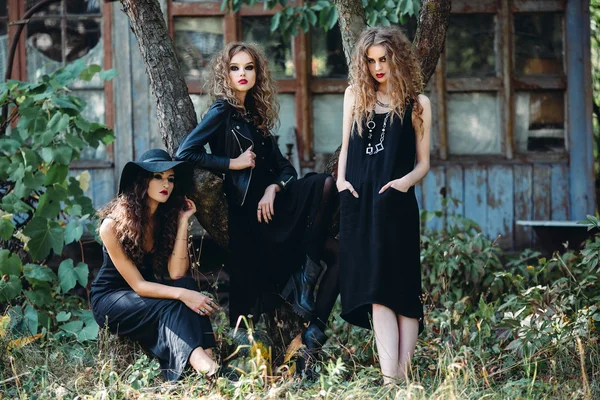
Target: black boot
<point>313,339</point>
<point>302,286</point>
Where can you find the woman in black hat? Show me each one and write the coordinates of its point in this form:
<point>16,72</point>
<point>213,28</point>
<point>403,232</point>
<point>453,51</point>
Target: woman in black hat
<point>144,231</point>
<point>278,225</point>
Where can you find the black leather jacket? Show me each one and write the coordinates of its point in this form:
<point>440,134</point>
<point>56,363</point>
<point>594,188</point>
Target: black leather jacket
<point>229,135</point>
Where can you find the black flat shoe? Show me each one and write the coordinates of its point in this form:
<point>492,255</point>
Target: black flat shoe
<point>313,339</point>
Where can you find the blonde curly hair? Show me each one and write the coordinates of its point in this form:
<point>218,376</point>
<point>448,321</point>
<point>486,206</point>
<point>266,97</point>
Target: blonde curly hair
<point>405,79</point>
<point>261,100</point>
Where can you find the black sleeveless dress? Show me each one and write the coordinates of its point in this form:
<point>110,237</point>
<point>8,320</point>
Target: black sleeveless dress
<point>166,328</point>
<point>379,233</point>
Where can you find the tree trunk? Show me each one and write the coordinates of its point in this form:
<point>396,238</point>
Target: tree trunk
<point>176,115</point>
<point>352,21</point>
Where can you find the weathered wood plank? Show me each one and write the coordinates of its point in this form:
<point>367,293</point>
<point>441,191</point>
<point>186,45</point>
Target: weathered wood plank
<point>433,183</point>
<point>560,192</point>
<point>455,190</point>
<point>123,145</point>
<point>541,193</point>
<point>475,194</point>
<point>500,214</point>
<point>523,189</point>
<point>140,90</point>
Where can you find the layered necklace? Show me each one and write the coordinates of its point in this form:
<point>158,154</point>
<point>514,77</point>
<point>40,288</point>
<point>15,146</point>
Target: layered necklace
<point>371,151</point>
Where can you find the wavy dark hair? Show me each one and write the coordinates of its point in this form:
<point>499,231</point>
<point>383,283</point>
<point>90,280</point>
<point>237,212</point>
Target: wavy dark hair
<point>261,100</point>
<point>405,79</point>
<point>129,209</point>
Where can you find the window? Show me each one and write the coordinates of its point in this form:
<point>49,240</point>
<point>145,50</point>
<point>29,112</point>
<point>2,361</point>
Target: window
<point>56,35</point>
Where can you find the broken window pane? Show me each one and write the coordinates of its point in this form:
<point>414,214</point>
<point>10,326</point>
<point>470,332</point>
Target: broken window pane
<point>51,9</point>
<point>278,51</point>
<point>196,41</point>
<point>473,123</point>
<point>540,121</point>
<point>538,44</point>
<point>470,46</point>
<point>327,124</point>
<point>83,6</point>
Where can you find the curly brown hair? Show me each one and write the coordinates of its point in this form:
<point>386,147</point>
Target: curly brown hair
<point>261,100</point>
<point>405,79</point>
<point>128,211</point>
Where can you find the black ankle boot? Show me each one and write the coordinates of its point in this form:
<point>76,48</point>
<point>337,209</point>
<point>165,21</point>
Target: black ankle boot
<point>313,339</point>
<point>302,286</point>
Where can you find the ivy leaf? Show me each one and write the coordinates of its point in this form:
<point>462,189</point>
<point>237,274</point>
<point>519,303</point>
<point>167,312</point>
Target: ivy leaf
<point>63,316</point>
<point>30,319</point>
<point>81,272</point>
<point>275,21</point>
<point>4,163</point>
<point>38,273</point>
<point>34,181</point>
<point>9,146</point>
<point>9,289</point>
<point>312,17</point>
<point>90,332</point>
<point>45,236</point>
<point>58,123</point>
<point>6,229</point>
<point>10,264</point>
<point>66,104</point>
<point>333,18</point>
<point>56,174</point>
<point>66,275</point>
<point>73,327</point>
<point>73,230</point>
<point>30,158</point>
<point>12,204</point>
<point>88,73</point>
<point>40,297</point>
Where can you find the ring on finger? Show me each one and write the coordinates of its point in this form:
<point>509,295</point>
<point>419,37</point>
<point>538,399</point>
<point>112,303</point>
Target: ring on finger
<point>203,311</point>
<point>198,312</point>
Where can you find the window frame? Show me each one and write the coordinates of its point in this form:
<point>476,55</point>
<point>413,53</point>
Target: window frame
<point>16,11</point>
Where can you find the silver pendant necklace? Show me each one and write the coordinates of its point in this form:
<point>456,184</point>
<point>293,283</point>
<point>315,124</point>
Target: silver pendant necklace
<point>379,146</point>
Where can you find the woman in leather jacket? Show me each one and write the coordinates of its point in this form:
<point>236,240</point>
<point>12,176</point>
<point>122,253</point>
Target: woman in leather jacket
<point>278,224</point>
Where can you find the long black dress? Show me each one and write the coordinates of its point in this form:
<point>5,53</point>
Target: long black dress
<point>166,328</point>
<point>263,256</point>
<point>379,233</point>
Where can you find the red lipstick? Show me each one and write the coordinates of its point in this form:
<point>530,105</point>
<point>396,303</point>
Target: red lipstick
<point>380,75</point>
<point>242,81</point>
<point>165,192</point>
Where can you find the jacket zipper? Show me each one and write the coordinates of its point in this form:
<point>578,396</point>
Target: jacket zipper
<point>242,151</point>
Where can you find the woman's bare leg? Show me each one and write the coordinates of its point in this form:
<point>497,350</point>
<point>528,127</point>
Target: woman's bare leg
<point>409,331</point>
<point>202,361</point>
<point>385,327</point>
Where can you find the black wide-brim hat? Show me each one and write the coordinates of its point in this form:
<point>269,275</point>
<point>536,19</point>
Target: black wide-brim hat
<point>154,160</point>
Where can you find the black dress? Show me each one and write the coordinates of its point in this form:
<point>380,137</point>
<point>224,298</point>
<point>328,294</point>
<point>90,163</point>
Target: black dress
<point>379,233</point>
<point>166,328</point>
<point>263,256</point>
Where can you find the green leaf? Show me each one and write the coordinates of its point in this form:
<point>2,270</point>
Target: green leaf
<point>12,204</point>
<point>56,174</point>
<point>73,327</point>
<point>312,17</point>
<point>63,154</point>
<point>30,158</point>
<point>88,73</point>
<point>90,332</point>
<point>81,272</point>
<point>6,229</point>
<point>9,289</point>
<point>30,319</point>
<point>63,316</point>
<point>48,206</point>
<point>38,273</point>
<point>4,163</point>
<point>108,74</point>
<point>40,297</point>
<point>73,231</point>
<point>87,316</point>
<point>66,275</point>
<point>83,124</point>
<point>75,210</point>
<point>9,146</point>
<point>10,264</point>
<point>66,104</point>
<point>275,21</point>
<point>58,123</point>
<point>45,236</point>
<point>34,181</point>
<point>75,142</point>
<point>333,17</point>
<point>304,25</point>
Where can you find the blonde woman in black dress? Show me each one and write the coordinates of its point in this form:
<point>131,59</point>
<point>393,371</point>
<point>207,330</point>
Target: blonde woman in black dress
<point>385,153</point>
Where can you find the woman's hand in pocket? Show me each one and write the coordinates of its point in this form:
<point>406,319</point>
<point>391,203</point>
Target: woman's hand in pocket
<point>345,185</point>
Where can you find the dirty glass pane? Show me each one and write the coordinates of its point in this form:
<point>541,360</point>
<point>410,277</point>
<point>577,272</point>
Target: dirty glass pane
<point>470,46</point>
<point>287,117</point>
<point>473,123</point>
<point>84,6</point>
<point>327,122</point>
<point>3,8</point>
<point>51,9</point>
<point>82,36</point>
<point>45,36</point>
<point>538,43</point>
<point>540,121</point>
<point>94,111</point>
<point>328,60</point>
<point>196,41</point>
<point>278,51</point>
